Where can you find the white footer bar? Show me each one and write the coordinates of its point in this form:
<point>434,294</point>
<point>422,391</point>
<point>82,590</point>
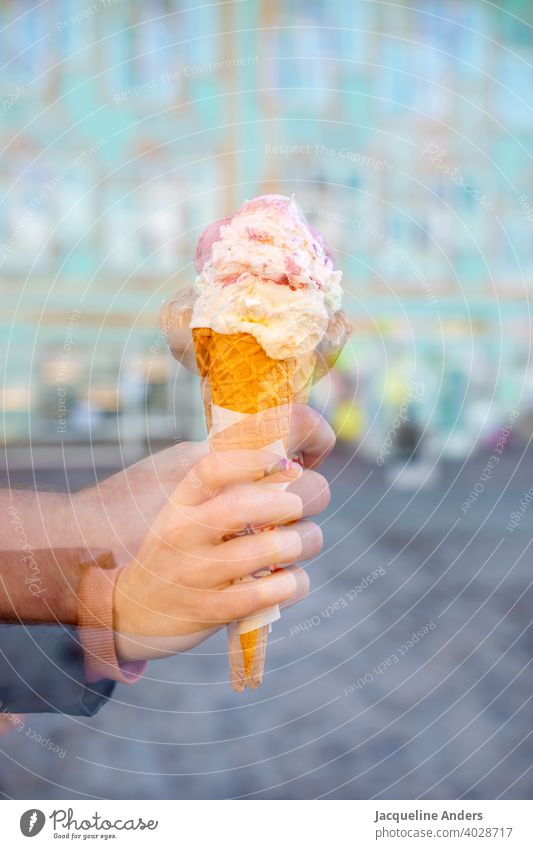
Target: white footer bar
<point>310,824</point>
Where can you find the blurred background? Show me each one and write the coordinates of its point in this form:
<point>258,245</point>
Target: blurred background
<point>406,135</point>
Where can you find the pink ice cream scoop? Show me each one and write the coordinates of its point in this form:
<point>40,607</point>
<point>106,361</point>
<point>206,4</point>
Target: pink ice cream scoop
<point>269,204</point>
<point>265,271</point>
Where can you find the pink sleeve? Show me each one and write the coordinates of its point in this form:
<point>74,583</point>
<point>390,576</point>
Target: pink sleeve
<point>95,626</point>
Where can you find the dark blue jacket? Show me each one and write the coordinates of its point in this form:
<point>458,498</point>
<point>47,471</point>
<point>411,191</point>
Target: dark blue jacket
<point>42,671</point>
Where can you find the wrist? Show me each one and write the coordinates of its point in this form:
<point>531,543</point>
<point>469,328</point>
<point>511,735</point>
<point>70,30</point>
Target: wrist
<point>125,616</point>
<point>38,520</point>
<point>97,628</point>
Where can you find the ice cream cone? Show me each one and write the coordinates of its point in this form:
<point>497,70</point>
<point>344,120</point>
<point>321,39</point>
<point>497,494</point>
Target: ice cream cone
<point>265,314</point>
<point>253,394</point>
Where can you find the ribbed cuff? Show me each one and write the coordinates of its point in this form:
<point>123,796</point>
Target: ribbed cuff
<point>95,626</point>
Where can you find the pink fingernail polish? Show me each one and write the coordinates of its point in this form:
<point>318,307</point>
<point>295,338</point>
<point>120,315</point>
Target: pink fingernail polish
<point>286,465</point>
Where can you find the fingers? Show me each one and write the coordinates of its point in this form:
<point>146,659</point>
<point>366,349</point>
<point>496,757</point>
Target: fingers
<point>312,539</point>
<point>313,489</point>
<point>223,468</point>
<point>302,587</point>
<point>310,435</point>
<point>242,556</point>
<point>240,506</point>
<point>250,597</point>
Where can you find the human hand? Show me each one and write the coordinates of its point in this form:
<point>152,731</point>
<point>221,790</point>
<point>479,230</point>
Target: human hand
<point>179,589</point>
<point>119,512</point>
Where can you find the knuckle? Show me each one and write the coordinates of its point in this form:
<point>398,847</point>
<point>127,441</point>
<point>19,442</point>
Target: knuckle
<point>214,521</point>
<point>240,602</point>
<point>324,493</point>
<point>313,539</point>
<point>263,549</point>
<point>315,492</point>
<point>190,570</point>
<point>222,508</point>
<point>329,436</point>
<point>248,504</point>
<point>237,512</point>
<point>214,607</point>
<point>205,467</point>
<point>262,592</point>
<point>294,505</point>
<point>288,545</point>
<point>302,584</point>
<point>306,417</point>
<point>172,526</point>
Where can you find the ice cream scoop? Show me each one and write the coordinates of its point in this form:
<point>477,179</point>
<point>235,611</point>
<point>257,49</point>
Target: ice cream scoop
<point>266,272</point>
<point>267,241</point>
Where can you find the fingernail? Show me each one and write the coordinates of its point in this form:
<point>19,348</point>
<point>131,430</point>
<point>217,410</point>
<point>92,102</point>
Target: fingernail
<point>286,467</point>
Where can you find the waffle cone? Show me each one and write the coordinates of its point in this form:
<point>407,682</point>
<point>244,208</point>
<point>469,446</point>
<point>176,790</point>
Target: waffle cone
<point>238,375</point>
<point>249,642</point>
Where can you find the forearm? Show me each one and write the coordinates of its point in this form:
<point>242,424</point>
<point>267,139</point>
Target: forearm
<point>40,585</point>
<point>37,520</point>
<point>45,537</point>
<point>100,517</point>
<point>114,515</point>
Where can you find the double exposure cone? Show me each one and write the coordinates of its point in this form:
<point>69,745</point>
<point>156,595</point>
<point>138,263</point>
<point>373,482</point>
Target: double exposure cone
<point>238,375</point>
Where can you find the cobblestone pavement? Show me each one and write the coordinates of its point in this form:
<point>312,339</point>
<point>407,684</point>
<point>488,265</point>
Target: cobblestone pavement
<point>353,706</point>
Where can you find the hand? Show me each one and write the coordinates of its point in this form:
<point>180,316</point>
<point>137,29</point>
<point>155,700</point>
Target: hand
<point>179,589</point>
<point>118,512</point>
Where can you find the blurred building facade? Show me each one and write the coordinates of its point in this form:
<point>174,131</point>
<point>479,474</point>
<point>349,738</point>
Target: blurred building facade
<point>406,136</point>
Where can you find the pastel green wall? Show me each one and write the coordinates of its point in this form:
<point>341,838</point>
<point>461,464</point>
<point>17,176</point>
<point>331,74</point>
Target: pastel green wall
<point>126,127</point>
